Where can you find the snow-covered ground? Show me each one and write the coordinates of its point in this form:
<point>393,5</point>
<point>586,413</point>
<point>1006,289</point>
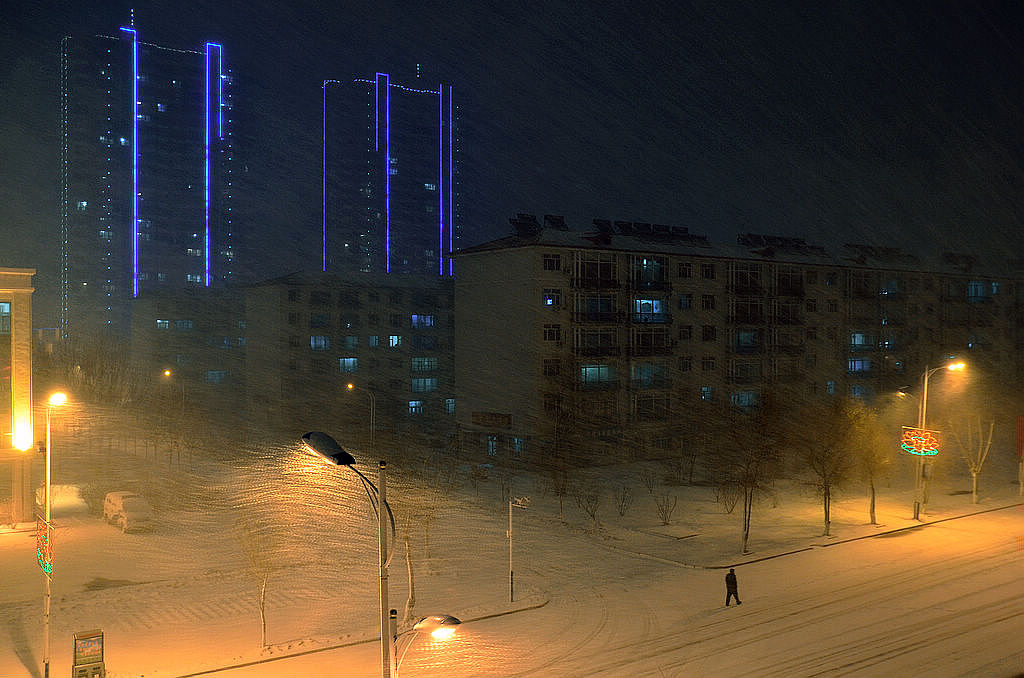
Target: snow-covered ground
<point>624,597</point>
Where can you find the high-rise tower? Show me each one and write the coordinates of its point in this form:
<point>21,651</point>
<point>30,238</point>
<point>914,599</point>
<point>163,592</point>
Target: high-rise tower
<point>389,177</point>
<point>146,175</point>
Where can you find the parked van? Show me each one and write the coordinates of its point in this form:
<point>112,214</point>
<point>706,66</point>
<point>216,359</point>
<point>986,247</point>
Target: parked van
<point>127,510</point>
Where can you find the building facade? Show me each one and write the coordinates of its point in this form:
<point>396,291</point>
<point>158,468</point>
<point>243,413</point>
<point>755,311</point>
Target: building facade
<point>390,201</point>
<point>146,170</point>
<point>309,335</point>
<point>621,338</point>
<point>17,438</point>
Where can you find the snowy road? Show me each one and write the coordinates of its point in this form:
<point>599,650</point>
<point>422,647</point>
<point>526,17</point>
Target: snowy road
<point>945,600</point>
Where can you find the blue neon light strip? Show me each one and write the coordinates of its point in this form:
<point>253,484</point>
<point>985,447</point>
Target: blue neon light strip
<point>451,183</point>
<point>387,173</point>
<point>440,178</point>
<point>135,160</point>
<point>323,185</point>
<point>206,172</point>
<point>210,46</point>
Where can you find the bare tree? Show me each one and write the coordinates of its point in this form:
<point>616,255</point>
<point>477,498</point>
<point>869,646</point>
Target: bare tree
<point>974,447</point>
<point>589,500</point>
<point>666,505</point>
<point>873,454</point>
<point>825,435</point>
<point>751,459</point>
<point>648,479</point>
<point>255,538</point>
<point>623,499</point>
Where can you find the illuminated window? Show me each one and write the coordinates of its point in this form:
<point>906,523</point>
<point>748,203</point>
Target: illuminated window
<point>449,405</point>
<point>373,341</point>
<point>706,392</point>
<point>685,301</point>
<point>185,324</point>
<point>859,365</point>
<point>830,387</point>
<point>430,187</point>
<point>424,384</point>
<point>552,296</point>
<point>395,341</point>
<point>319,342</point>
<point>415,407</point>
<point>216,376</point>
<point>743,399</point>
<point>348,364</point>
<point>419,320</point>
<point>82,204</point>
<point>424,364</point>
<point>492,446</point>
<point>351,341</point>
<point>163,324</point>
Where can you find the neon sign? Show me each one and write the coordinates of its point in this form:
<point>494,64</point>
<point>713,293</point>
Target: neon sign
<point>919,441</point>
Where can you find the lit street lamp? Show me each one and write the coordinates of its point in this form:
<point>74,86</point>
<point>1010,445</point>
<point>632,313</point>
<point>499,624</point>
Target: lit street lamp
<point>170,376</point>
<point>920,485</point>
<point>373,407</point>
<point>440,627</point>
<point>56,400</point>
<point>328,448</point>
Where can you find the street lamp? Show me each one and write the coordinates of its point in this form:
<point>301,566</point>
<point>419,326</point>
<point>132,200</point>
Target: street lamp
<point>328,448</point>
<point>920,488</point>
<point>373,407</point>
<point>169,375</point>
<point>440,627</point>
<point>56,400</point>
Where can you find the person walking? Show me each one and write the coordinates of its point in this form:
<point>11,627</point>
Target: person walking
<point>730,588</point>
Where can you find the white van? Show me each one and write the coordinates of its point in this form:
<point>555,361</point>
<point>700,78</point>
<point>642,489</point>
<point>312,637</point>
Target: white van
<point>127,510</point>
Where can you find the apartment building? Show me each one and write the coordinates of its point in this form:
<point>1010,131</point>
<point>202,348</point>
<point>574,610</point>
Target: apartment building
<point>623,339</point>
<point>311,334</point>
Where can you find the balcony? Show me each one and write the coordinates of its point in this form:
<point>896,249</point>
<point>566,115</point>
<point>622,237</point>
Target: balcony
<point>790,290</point>
<point>660,349</point>
<point>591,283</point>
<point>652,318</point>
<point>644,284</point>
<point>746,318</point>
<point>605,317</point>
<point>788,349</point>
<point>747,349</point>
<point>598,351</point>
<point>650,384</point>
<point>745,289</point>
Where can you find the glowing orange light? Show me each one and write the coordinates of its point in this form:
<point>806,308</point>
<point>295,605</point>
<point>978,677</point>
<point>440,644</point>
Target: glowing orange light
<point>443,633</point>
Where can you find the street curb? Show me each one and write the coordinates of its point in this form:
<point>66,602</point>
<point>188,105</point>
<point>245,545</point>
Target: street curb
<point>339,646</point>
<point>865,536</point>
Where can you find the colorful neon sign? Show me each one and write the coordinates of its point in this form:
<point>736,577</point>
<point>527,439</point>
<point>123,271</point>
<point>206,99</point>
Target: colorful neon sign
<point>919,441</point>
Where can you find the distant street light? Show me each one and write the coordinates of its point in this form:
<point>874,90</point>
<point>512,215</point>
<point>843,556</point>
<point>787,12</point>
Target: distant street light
<point>171,377</point>
<point>920,484</point>
<point>56,400</point>
<point>373,407</point>
<point>328,448</point>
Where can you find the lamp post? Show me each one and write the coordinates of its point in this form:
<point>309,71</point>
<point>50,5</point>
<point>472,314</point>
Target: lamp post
<point>440,627</point>
<point>328,448</point>
<point>56,400</point>
<point>373,407</point>
<point>169,374</point>
<point>920,489</point>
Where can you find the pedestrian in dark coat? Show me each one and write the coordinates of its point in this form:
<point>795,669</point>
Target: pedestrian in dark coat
<point>730,588</point>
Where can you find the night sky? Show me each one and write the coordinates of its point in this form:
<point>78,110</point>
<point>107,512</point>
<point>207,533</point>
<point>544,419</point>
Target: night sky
<point>891,123</point>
